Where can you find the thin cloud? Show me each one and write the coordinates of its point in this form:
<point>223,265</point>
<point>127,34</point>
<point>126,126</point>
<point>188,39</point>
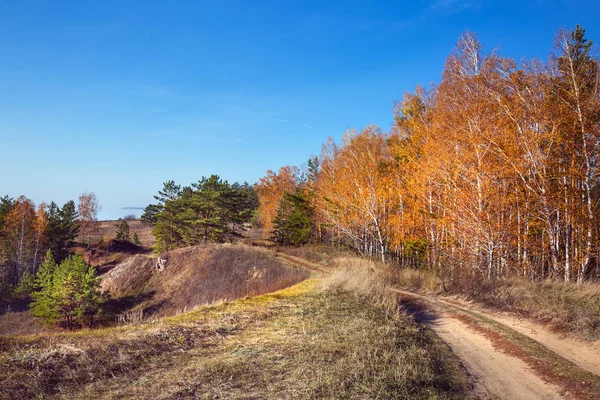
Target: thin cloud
<point>454,6</point>
<point>293,122</point>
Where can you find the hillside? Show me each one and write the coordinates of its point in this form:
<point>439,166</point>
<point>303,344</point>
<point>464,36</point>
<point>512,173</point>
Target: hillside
<point>301,342</point>
<point>196,275</point>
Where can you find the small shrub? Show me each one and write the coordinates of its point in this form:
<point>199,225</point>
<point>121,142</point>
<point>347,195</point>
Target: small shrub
<point>135,239</point>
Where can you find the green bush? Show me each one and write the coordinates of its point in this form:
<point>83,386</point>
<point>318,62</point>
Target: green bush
<point>26,284</point>
<point>67,294</point>
<point>136,238</point>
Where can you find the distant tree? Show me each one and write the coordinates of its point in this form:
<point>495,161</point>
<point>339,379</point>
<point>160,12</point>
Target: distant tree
<point>252,202</point>
<point>40,224</point>
<point>67,294</point>
<point>88,209</point>
<point>6,205</point>
<point>129,217</point>
<point>62,229</point>
<point>270,190</point>
<point>149,215</point>
<point>211,210</point>
<point>294,220</point>
<point>123,231</point>
<point>19,238</point>
<point>135,239</point>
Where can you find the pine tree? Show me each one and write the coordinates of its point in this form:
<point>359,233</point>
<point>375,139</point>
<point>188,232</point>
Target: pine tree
<point>6,206</point>
<point>43,305</point>
<point>67,294</point>
<point>294,220</point>
<point>62,229</point>
<point>163,217</point>
<point>135,239</point>
<point>89,298</point>
<point>148,217</point>
<point>123,231</point>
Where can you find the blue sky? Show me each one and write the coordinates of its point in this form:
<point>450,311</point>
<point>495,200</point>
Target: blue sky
<point>116,97</point>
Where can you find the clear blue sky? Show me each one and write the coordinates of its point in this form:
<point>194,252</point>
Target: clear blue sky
<point>116,97</point>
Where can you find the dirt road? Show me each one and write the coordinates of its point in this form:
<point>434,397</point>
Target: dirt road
<point>585,355</point>
<point>497,375</point>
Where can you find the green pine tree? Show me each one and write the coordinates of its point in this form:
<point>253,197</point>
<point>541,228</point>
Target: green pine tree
<point>294,220</point>
<point>62,229</point>
<point>67,294</point>
<point>123,231</point>
<point>43,305</point>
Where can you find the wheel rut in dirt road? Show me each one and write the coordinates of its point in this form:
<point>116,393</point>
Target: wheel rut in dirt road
<point>586,355</point>
<point>497,375</point>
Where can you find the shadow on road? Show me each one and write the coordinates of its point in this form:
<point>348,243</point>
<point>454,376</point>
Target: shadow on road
<point>418,311</point>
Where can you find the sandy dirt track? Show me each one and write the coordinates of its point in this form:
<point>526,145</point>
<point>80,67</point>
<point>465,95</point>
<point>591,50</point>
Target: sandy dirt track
<point>586,355</point>
<point>497,375</point>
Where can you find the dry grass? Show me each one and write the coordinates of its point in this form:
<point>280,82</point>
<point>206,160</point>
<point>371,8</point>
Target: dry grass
<point>108,229</point>
<point>19,322</point>
<point>300,342</point>
<point>565,307</point>
<point>197,275</point>
<point>361,278</point>
<point>324,255</point>
<point>411,279</point>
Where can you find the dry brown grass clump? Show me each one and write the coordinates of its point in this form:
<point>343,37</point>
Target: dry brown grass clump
<point>411,279</point>
<point>362,278</point>
<point>197,275</point>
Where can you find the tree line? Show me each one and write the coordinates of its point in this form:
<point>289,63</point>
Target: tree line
<point>210,210</point>
<point>37,260</point>
<point>27,232</point>
<point>491,173</point>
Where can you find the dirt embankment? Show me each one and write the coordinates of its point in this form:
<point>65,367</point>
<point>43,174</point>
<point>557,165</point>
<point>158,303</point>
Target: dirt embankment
<point>197,275</point>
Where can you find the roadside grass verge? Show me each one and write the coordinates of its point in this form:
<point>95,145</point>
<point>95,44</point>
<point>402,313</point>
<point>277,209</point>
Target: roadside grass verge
<point>564,307</point>
<point>306,341</point>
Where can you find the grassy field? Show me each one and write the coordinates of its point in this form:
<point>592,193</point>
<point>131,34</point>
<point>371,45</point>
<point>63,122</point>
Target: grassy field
<point>108,229</point>
<point>301,342</point>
